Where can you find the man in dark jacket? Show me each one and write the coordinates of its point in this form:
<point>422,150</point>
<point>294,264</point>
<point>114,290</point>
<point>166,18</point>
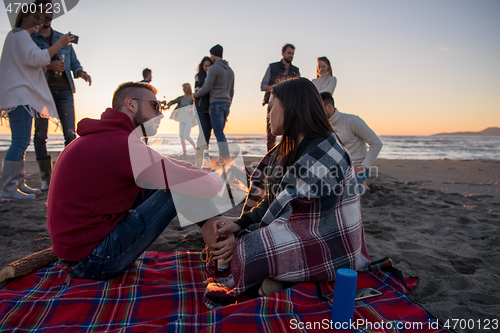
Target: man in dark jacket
<point>276,72</point>
<point>220,84</point>
<point>61,86</point>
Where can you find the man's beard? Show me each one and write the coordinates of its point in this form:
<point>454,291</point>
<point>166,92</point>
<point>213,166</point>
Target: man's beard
<point>289,61</point>
<point>147,127</point>
<point>139,118</point>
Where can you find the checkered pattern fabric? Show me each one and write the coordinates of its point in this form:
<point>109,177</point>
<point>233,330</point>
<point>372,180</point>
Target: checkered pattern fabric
<point>163,292</point>
<point>310,230</point>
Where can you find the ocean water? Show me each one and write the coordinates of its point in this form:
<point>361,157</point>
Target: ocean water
<point>395,147</point>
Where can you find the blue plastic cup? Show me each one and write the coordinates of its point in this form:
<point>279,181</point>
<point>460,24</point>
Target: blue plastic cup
<point>343,298</point>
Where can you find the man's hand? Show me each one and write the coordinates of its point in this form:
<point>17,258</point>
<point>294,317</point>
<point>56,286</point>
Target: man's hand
<point>269,88</point>
<point>359,169</point>
<point>85,76</point>
<point>56,66</point>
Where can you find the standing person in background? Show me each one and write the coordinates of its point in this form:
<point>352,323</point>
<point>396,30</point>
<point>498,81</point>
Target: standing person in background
<point>203,108</point>
<point>184,114</point>
<point>220,84</point>
<point>147,75</point>
<point>24,94</point>
<point>62,88</point>
<point>354,134</point>
<point>325,81</point>
<point>276,72</point>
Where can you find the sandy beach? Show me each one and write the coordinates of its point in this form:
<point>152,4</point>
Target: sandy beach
<point>439,220</point>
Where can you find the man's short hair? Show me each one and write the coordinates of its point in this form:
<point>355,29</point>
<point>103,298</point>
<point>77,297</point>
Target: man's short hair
<point>327,99</point>
<point>286,46</point>
<point>146,72</point>
<point>130,89</point>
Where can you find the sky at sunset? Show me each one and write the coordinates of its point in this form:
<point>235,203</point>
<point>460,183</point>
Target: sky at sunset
<point>405,67</point>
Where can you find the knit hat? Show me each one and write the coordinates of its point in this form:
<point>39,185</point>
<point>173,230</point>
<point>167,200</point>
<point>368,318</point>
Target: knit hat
<point>216,51</point>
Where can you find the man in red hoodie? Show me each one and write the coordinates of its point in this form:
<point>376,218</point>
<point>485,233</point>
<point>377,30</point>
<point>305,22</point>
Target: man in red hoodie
<point>98,218</point>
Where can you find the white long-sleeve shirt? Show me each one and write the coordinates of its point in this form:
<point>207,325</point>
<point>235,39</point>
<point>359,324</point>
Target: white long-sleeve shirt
<point>23,81</point>
<point>325,82</point>
<point>355,134</point>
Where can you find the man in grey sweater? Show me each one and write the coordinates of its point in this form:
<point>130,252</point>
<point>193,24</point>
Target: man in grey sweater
<point>220,84</point>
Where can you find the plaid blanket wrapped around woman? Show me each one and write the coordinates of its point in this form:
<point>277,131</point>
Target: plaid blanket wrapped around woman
<point>310,230</point>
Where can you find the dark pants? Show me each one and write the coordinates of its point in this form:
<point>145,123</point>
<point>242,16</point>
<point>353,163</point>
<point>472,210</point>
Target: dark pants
<point>66,110</point>
<point>206,127</point>
<point>153,212</point>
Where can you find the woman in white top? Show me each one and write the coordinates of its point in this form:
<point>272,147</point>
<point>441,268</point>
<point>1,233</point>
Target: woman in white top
<point>325,81</point>
<point>23,91</point>
<point>184,113</point>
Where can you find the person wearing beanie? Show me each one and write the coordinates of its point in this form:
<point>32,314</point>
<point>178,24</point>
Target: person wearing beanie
<point>220,84</point>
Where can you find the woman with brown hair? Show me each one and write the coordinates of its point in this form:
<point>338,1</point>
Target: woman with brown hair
<point>325,81</point>
<point>184,114</point>
<point>303,204</point>
<point>24,94</point>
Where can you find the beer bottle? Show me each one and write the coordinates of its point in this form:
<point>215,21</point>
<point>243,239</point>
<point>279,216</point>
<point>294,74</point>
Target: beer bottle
<point>206,166</point>
<point>221,270</point>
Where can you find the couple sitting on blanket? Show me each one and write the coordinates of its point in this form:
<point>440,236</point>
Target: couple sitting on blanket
<point>303,196</point>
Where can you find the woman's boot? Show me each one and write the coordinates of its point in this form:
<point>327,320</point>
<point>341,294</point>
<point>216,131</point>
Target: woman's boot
<point>10,175</point>
<point>45,166</point>
<point>22,186</point>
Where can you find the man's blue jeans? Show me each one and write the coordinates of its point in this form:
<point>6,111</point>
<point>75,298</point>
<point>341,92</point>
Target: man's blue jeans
<point>66,110</point>
<point>130,238</point>
<point>218,115</point>
<point>361,177</point>
<point>20,122</point>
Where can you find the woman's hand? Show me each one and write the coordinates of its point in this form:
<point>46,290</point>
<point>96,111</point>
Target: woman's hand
<point>224,249</point>
<point>211,231</point>
<point>65,39</point>
<point>229,226</point>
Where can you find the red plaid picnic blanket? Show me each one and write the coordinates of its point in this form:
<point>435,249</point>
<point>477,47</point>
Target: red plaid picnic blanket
<point>164,292</point>
<point>312,228</point>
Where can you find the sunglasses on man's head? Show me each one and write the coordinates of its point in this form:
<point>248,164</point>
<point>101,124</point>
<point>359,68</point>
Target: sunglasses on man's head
<point>154,103</point>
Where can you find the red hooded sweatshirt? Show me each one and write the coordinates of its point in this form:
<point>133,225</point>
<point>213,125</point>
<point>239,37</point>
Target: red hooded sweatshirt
<point>93,184</point>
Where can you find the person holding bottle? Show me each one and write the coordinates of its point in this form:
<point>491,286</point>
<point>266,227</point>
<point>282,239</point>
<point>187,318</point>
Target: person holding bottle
<point>303,204</point>
<point>62,88</point>
<point>24,95</point>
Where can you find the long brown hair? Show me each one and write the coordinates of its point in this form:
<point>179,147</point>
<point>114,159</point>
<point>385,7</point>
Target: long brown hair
<point>200,66</point>
<point>303,114</point>
<point>325,59</point>
<point>21,15</point>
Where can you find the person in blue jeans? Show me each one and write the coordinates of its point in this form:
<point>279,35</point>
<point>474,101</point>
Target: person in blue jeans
<point>62,88</point>
<point>102,213</point>
<point>24,94</point>
<point>220,84</point>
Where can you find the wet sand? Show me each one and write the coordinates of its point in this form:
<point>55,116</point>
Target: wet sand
<point>438,220</point>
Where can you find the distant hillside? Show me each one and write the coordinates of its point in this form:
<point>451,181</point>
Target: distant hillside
<point>490,131</point>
